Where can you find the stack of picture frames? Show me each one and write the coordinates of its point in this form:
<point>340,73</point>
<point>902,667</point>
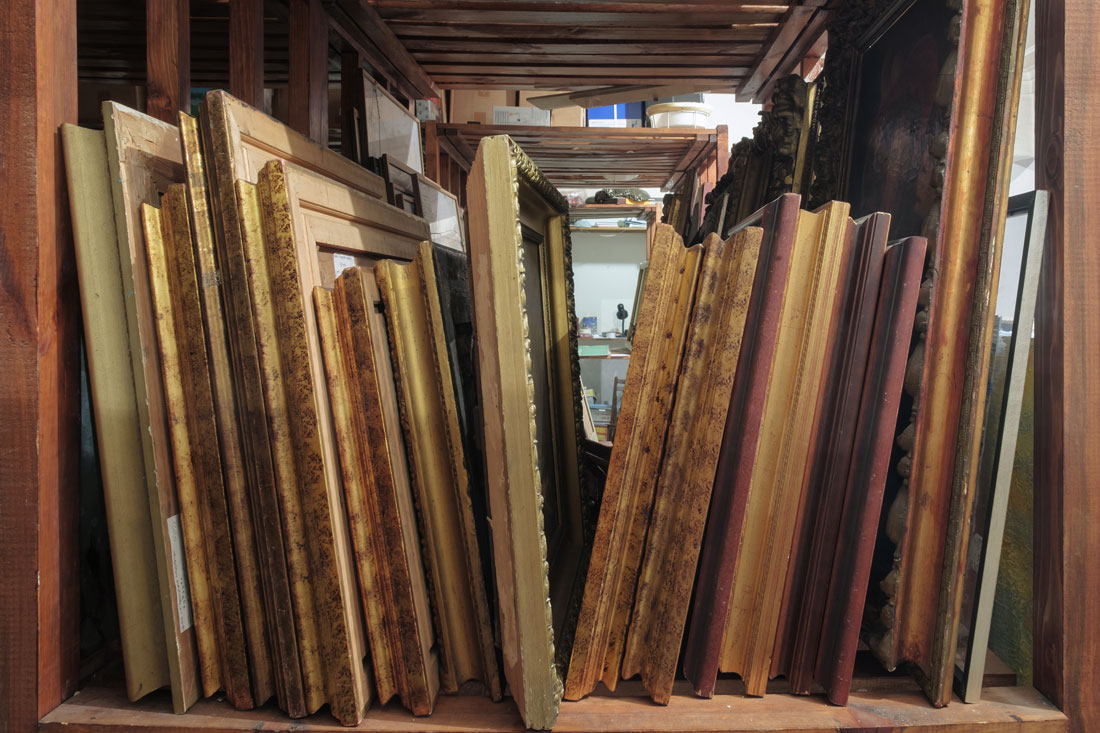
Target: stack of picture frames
<point>314,533</point>
<point>936,84</point>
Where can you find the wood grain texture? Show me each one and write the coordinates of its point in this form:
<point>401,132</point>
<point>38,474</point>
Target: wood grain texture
<point>872,443</point>
<point>189,472</point>
<point>691,456</point>
<point>144,158</point>
<point>1067,594</point>
<point>659,337</point>
<point>307,619</point>
<point>168,58</point>
<point>722,537</point>
<point>40,360</point>
<point>429,418</point>
<point>1005,710</point>
<point>245,515</point>
<point>383,527</point>
<point>822,247</point>
<point>118,437</point>
<point>307,83</point>
<point>246,51</point>
<point>815,541</point>
<point>347,681</point>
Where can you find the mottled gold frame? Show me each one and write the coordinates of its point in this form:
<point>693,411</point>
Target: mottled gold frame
<point>511,202</point>
<point>929,516</point>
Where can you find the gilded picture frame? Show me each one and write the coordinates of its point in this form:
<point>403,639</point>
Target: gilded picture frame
<point>529,375</point>
<point>955,150</point>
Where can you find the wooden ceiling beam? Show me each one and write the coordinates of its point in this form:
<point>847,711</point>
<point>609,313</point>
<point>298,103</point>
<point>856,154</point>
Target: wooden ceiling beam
<point>520,34</point>
<point>648,71</point>
<point>694,19</point>
<point>802,26</point>
<point>362,27</point>
<point>577,47</point>
<point>429,59</point>
<point>541,81</point>
<point>587,6</point>
<point>620,95</point>
<point>810,40</point>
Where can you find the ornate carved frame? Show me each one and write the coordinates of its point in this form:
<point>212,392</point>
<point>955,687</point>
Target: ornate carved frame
<point>917,622</point>
<point>512,206</point>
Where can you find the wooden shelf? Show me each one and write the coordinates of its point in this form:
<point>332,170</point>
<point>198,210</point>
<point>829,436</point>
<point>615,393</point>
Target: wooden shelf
<point>97,710</point>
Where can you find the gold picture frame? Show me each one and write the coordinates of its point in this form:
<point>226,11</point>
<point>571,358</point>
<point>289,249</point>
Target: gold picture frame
<point>524,315</point>
<point>960,137</point>
<point>429,417</point>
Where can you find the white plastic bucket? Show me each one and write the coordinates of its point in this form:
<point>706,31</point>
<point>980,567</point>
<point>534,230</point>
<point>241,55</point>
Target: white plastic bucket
<point>679,114</point>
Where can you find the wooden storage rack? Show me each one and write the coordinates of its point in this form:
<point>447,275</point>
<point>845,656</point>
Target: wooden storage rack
<point>40,392</point>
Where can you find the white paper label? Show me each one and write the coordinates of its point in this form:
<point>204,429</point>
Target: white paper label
<point>179,573</point>
<point>342,262</point>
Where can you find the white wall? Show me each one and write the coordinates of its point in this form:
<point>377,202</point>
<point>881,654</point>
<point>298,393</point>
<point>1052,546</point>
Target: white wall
<point>605,273</point>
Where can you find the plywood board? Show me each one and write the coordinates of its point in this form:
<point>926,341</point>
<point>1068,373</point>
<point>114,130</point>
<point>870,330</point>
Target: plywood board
<point>118,426</point>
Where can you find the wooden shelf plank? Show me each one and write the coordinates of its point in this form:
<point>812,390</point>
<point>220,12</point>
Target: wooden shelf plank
<point>97,710</point>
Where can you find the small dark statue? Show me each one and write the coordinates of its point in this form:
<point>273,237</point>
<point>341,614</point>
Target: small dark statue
<point>621,314</point>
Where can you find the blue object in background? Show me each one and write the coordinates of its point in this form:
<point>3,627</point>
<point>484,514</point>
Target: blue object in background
<point>629,111</point>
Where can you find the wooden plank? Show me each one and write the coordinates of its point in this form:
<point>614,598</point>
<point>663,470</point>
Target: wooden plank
<point>429,416</point>
<point>359,19</point>
<point>246,51</point>
<point>608,6</point>
<point>646,69</point>
<point>431,151</point>
<point>251,556</point>
<point>353,123</point>
<point>691,457</point>
<point>870,460</point>
<point>118,438</point>
<point>144,159</point>
<point>1066,596</point>
<point>592,48</point>
<point>433,58</point>
<point>1005,710</point>
<point>614,564</point>
<point>799,632</point>
<point>722,537</point>
<point>380,504</point>
<point>670,32</point>
<point>776,49</point>
<point>444,17</point>
<point>307,83</point>
<point>813,37</point>
<point>168,58</point>
<point>40,358</point>
<point>505,78</point>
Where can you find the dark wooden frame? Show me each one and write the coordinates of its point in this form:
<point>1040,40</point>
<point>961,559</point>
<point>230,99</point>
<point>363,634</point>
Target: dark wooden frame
<point>39,358</point>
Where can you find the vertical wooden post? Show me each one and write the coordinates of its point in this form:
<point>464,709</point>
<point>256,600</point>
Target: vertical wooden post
<point>246,51</point>
<point>431,150</point>
<point>722,158</point>
<point>1067,352</point>
<point>308,78</point>
<point>353,125</point>
<point>167,58</point>
<point>39,360</point>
